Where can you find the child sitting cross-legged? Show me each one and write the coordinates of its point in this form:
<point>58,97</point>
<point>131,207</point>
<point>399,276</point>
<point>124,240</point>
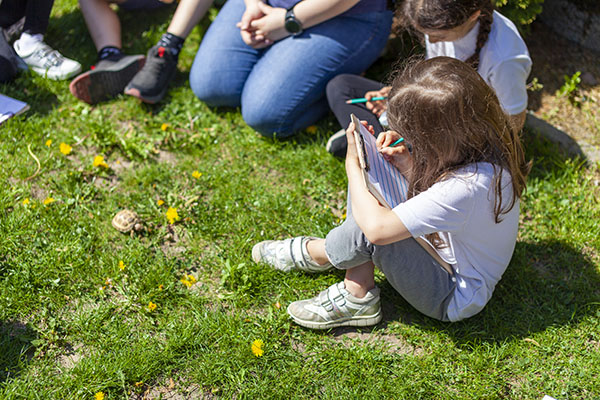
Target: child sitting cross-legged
<point>466,172</point>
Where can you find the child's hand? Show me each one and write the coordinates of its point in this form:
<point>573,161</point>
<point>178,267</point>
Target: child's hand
<point>398,155</point>
<point>351,153</point>
<point>379,106</point>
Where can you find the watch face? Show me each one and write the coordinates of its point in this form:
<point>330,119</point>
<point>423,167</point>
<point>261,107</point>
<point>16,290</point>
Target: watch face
<point>292,26</point>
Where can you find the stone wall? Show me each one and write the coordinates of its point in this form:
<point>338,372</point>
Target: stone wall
<point>575,22</point>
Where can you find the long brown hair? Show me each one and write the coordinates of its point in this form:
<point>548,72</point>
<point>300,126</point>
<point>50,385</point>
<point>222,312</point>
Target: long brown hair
<point>452,118</point>
<point>448,14</point>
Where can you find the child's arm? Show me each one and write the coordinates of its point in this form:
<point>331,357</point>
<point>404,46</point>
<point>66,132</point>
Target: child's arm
<point>379,224</point>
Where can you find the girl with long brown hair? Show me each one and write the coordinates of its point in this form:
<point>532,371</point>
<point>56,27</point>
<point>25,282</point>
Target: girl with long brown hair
<point>469,30</point>
<point>466,172</point>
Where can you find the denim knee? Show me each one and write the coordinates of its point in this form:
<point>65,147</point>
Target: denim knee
<point>267,120</point>
<point>203,85</point>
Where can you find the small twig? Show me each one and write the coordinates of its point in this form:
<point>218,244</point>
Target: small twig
<point>81,140</point>
<point>39,166</point>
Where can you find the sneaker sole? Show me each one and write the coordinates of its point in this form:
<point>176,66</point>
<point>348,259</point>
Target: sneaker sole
<point>135,92</point>
<point>365,320</point>
<point>57,77</point>
<point>146,99</point>
<point>98,85</point>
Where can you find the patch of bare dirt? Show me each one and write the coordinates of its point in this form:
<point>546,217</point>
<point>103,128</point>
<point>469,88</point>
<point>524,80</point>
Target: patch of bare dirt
<point>173,390</point>
<point>393,344</point>
<point>174,243</point>
<point>120,164</point>
<point>71,356</point>
<point>166,157</point>
<point>553,58</point>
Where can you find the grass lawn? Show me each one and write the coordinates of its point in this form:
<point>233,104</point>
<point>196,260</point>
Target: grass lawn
<point>85,309</point>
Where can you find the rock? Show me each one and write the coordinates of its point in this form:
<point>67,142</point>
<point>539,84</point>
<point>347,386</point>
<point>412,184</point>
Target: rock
<point>588,79</point>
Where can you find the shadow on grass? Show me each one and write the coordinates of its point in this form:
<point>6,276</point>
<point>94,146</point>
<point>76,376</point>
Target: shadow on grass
<point>15,348</point>
<point>547,284</point>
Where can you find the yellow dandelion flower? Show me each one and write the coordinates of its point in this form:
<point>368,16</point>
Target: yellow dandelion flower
<point>164,127</point>
<point>160,202</point>
<point>257,348</point>
<point>48,200</point>
<point>26,201</point>
<point>65,148</point>
<point>197,174</point>
<point>151,306</point>
<point>49,142</point>
<point>99,396</point>
<point>99,162</point>
<point>278,305</point>
<point>172,215</point>
<point>188,280</point>
<point>161,287</point>
<point>312,129</point>
<point>121,265</point>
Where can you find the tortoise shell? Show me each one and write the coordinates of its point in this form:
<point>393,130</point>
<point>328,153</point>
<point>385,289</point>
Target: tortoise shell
<point>125,221</point>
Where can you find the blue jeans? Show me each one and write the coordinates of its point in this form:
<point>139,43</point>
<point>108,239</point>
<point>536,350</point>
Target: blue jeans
<point>281,89</point>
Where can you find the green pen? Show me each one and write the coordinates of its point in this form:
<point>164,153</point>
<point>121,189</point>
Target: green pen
<point>397,142</point>
<point>364,100</point>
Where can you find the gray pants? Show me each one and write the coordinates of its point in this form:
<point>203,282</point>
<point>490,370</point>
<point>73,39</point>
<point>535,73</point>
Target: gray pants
<point>413,272</point>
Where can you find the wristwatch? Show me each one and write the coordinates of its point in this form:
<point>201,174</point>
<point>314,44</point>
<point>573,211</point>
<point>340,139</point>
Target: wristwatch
<point>292,25</point>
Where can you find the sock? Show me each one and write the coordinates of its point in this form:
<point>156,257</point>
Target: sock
<point>172,42</point>
<point>27,42</point>
<point>111,53</point>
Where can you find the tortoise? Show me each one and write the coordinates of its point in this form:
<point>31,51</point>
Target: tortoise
<point>126,221</point>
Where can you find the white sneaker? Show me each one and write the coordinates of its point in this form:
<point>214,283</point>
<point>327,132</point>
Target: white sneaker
<point>48,62</point>
<point>335,306</point>
<point>287,255</point>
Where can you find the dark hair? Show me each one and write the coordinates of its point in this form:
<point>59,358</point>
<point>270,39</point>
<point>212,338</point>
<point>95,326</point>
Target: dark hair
<point>448,14</point>
<point>452,118</point>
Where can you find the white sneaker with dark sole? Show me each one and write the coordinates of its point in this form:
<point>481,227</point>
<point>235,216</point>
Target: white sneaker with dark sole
<point>335,307</point>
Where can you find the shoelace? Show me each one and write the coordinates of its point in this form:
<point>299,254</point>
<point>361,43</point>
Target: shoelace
<point>155,64</point>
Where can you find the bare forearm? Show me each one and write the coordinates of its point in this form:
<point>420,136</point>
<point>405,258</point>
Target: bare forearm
<point>187,15</point>
<point>379,224</point>
<point>313,12</point>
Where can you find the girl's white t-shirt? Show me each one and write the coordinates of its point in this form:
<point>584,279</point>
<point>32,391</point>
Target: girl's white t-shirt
<point>461,209</point>
<point>504,61</point>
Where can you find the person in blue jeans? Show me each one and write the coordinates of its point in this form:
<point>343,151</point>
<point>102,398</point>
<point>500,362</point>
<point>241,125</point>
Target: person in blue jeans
<point>274,59</point>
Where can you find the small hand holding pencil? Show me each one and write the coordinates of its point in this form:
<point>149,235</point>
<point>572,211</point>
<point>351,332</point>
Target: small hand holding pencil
<point>394,149</point>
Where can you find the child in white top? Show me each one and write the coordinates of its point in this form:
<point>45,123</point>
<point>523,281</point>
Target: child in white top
<point>468,30</point>
<point>466,173</point>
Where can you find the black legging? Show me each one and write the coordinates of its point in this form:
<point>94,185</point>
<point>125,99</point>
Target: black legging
<point>36,13</point>
<point>344,87</point>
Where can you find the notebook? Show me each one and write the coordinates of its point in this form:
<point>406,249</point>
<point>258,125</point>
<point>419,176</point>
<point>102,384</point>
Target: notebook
<point>384,181</point>
<point>10,107</point>
<point>381,178</point>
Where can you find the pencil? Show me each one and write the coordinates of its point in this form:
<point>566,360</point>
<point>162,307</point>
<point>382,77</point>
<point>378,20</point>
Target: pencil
<point>363,100</point>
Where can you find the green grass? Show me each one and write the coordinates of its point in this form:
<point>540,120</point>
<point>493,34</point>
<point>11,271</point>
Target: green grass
<point>72,323</point>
